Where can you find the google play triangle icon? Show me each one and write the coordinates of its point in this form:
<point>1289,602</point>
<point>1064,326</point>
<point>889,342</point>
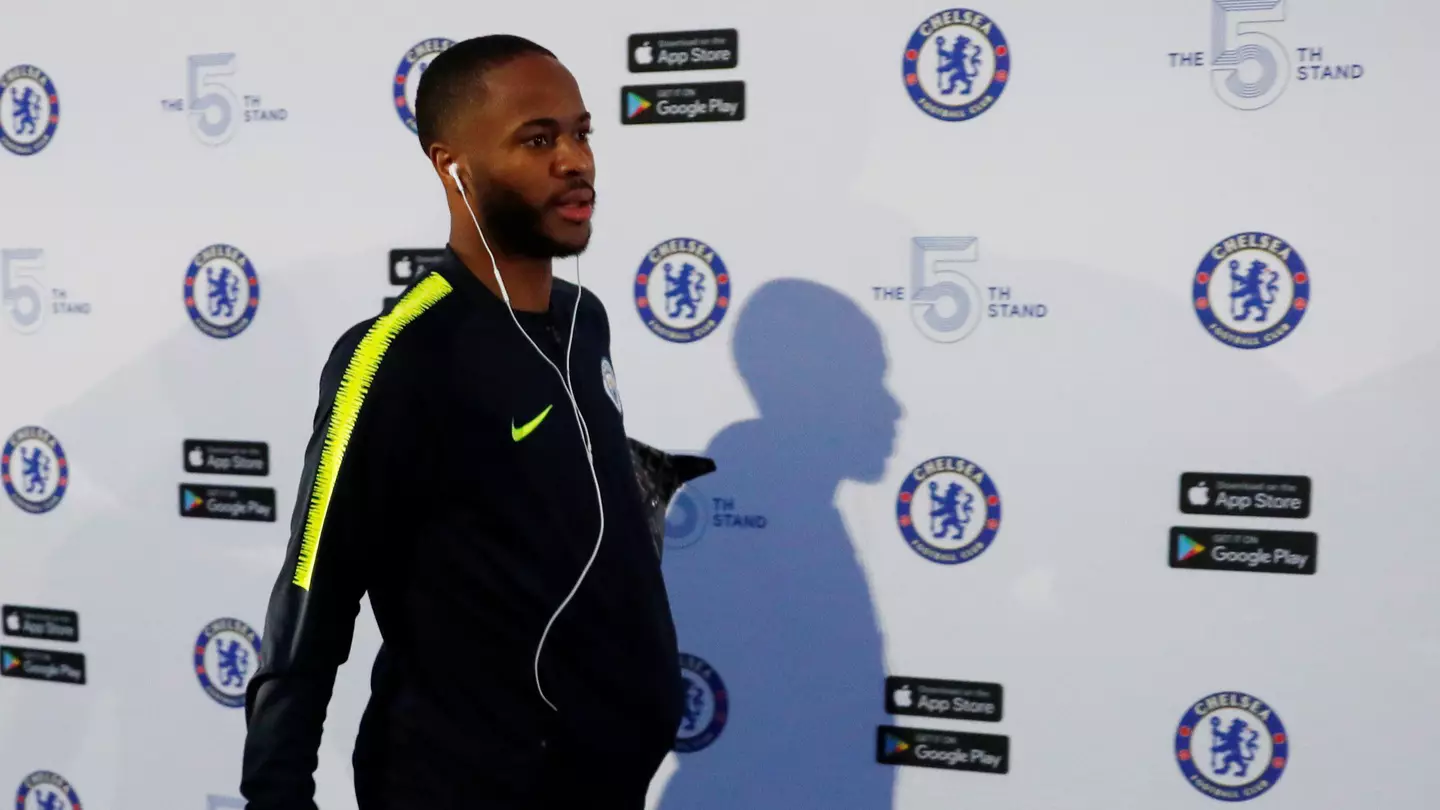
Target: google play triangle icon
<point>1186,548</point>
<point>635,104</point>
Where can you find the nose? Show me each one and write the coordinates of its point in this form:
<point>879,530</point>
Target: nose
<point>572,159</point>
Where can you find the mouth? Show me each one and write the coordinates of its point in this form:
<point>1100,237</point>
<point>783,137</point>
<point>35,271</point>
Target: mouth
<point>576,206</point>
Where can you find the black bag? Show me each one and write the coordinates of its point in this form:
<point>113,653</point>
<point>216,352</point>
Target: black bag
<point>660,475</point>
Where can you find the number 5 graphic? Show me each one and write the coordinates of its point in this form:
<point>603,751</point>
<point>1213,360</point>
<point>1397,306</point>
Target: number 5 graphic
<point>1231,49</point>
<point>202,74</point>
<point>936,256</point>
<point>21,292</point>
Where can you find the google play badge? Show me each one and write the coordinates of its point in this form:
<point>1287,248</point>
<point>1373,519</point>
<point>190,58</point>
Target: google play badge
<point>1187,548</point>
<point>635,104</point>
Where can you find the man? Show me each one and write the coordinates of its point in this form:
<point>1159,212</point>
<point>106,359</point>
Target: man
<point>529,658</point>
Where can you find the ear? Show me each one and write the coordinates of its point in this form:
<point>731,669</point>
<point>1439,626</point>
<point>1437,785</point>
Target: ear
<point>441,158</point>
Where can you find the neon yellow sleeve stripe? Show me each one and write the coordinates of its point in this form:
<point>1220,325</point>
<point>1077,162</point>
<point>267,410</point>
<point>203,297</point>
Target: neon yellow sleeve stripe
<point>345,411</point>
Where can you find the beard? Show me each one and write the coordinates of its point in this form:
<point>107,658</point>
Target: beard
<point>518,228</point>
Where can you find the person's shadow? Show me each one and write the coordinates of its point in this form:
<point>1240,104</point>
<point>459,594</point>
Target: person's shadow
<point>782,611</point>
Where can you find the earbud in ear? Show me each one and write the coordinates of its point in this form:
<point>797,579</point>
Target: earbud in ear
<point>455,173</point>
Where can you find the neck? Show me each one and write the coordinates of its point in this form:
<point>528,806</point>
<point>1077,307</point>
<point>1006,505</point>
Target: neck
<point>527,279</point>
<point>808,464</point>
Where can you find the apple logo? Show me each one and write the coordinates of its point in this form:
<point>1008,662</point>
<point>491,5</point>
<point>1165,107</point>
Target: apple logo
<point>12,622</point>
<point>1199,494</point>
<point>402,268</point>
<point>643,54</point>
<point>902,697</point>
<point>197,456</point>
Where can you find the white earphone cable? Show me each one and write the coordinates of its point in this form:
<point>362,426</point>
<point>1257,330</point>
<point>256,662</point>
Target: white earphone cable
<point>580,419</point>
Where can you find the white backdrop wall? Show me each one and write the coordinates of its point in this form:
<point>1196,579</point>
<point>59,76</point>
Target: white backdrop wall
<point>1096,185</point>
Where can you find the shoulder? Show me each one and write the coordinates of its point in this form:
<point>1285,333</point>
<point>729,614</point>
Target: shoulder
<point>592,309</point>
<point>564,293</point>
<point>378,352</point>
<point>591,306</point>
<point>731,439</point>
<point>342,354</point>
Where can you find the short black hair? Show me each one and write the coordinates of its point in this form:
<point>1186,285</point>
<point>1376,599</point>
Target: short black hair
<point>453,79</point>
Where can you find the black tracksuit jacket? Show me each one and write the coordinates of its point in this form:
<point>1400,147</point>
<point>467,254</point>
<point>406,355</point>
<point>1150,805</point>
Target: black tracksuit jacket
<point>422,489</point>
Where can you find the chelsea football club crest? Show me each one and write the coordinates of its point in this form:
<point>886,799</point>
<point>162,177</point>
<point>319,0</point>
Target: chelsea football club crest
<point>612,387</point>
<point>407,76</point>
<point>46,790</point>
<point>34,469</point>
<point>948,510</point>
<point>686,517</point>
<point>1251,290</point>
<point>29,110</point>
<point>707,705</point>
<point>226,656</point>
<point>956,64</point>
<point>1231,746</point>
<point>222,291</point>
<point>682,290</point>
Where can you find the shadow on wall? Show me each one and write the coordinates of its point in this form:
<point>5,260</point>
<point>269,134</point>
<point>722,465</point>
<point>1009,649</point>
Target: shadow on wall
<point>764,579</point>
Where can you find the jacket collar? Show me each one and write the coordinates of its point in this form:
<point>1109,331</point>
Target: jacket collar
<point>467,283</point>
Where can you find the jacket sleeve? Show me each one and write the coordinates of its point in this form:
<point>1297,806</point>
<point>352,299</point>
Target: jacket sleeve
<point>310,619</point>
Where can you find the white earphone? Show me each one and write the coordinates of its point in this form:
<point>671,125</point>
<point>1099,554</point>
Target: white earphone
<point>454,171</point>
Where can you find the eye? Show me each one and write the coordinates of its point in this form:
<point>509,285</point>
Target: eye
<point>538,140</point>
<point>584,135</point>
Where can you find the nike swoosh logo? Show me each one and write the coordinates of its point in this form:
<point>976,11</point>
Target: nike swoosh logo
<point>518,433</point>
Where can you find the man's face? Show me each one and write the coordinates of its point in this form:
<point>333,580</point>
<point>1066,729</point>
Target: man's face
<point>528,150</point>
